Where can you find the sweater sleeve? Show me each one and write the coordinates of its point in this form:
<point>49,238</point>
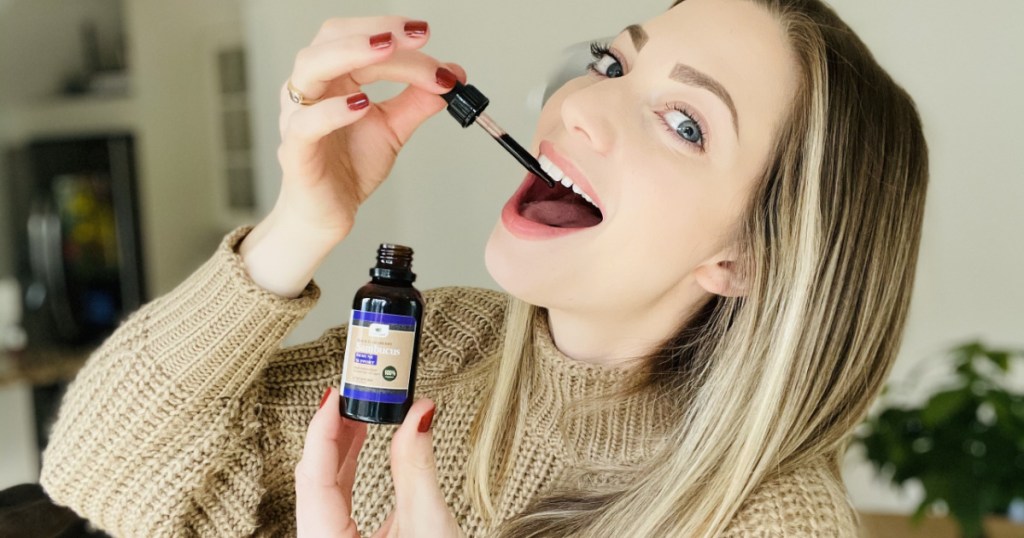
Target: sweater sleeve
<point>159,433</point>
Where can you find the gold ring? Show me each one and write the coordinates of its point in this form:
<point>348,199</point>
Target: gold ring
<point>296,96</point>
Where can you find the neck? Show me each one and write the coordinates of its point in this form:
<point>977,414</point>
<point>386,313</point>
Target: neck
<point>617,337</point>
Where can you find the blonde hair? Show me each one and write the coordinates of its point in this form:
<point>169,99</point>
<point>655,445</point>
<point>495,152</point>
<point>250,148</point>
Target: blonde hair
<point>768,381</point>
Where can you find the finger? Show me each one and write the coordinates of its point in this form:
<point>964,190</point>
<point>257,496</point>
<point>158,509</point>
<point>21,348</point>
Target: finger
<point>418,498</point>
<point>405,66</point>
<point>320,504</point>
<point>344,44</point>
<point>412,67</point>
<point>316,66</point>
<point>302,129</point>
<point>338,27</point>
<point>328,440</point>
<point>410,108</point>
<point>460,73</point>
<point>387,529</point>
<point>347,475</point>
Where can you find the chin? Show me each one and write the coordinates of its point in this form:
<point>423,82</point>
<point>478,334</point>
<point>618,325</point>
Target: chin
<point>503,259</point>
<point>521,268</point>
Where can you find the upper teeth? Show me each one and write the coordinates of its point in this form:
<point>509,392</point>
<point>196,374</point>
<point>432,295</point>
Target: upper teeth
<point>558,175</point>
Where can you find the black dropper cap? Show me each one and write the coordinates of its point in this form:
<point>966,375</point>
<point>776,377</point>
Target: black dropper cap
<point>394,262</point>
<point>465,103</point>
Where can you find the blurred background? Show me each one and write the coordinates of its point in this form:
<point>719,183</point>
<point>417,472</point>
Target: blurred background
<point>135,133</point>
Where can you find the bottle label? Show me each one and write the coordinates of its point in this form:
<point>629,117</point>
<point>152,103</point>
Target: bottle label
<point>378,357</point>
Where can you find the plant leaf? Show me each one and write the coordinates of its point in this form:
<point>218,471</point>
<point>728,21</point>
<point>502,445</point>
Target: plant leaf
<point>943,405</point>
<point>1001,358</point>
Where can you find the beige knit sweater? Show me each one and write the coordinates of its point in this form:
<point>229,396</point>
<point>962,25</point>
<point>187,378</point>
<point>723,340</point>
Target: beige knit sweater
<point>190,418</point>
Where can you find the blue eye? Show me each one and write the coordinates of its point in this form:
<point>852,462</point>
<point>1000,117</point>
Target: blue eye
<point>676,118</point>
<point>605,63</point>
<point>685,125</point>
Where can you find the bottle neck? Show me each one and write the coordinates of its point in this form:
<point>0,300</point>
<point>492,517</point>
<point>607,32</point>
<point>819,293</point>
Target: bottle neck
<point>395,283</point>
<point>394,263</point>
<point>392,276</point>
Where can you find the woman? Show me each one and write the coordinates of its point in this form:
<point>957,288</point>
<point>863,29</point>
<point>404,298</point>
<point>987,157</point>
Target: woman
<point>685,355</point>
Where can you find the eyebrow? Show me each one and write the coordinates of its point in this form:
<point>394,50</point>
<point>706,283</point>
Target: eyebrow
<point>638,35</point>
<point>688,75</point>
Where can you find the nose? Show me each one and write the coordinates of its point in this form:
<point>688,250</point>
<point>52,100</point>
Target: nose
<point>586,114</point>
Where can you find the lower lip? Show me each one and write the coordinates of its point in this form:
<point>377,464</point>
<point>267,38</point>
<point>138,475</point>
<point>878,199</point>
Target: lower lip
<point>524,228</point>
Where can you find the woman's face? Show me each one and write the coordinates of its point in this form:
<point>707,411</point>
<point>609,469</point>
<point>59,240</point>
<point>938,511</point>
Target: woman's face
<point>667,138</point>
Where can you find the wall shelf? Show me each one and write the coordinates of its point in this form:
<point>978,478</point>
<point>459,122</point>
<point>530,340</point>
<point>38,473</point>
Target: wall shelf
<point>71,115</point>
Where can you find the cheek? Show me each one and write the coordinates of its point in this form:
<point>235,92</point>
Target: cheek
<point>659,196</point>
<point>669,214</point>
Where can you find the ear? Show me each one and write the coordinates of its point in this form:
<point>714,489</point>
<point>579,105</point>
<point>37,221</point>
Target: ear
<point>720,275</point>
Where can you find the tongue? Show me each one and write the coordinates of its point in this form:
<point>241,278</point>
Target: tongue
<point>560,213</point>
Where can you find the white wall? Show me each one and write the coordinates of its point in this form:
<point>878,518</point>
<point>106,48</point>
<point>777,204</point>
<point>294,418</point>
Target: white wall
<point>179,181</point>
<point>168,110</point>
<point>964,65</point>
<point>38,60</point>
<point>962,62</point>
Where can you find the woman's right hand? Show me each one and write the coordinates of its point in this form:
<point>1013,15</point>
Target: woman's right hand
<point>336,152</point>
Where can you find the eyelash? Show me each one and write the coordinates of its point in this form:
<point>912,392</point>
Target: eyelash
<point>599,50</point>
<point>702,146</point>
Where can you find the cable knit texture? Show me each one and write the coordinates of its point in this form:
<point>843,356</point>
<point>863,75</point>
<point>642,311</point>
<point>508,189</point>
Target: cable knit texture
<point>190,418</point>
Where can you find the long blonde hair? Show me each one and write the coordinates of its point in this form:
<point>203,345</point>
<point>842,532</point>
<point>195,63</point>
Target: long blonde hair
<point>771,380</point>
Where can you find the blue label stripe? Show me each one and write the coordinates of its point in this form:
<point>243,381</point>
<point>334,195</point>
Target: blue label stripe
<point>366,358</point>
<point>374,395</point>
<point>376,317</point>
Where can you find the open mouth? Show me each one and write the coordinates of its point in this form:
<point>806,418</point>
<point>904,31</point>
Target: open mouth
<point>563,206</point>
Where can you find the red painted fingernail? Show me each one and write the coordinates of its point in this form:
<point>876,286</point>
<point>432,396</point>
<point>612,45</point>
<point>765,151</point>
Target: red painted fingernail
<point>324,398</point>
<point>427,419</point>
<point>358,101</point>
<point>416,28</point>
<point>381,41</point>
<point>445,78</point>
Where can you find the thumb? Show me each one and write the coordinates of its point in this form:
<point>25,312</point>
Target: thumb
<point>419,502</point>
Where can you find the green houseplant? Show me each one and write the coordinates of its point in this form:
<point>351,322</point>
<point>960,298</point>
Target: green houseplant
<point>965,444</point>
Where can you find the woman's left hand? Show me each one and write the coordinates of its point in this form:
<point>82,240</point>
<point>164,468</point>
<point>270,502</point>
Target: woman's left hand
<point>326,473</point>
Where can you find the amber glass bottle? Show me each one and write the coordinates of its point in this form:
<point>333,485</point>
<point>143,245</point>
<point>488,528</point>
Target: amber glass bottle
<point>378,376</point>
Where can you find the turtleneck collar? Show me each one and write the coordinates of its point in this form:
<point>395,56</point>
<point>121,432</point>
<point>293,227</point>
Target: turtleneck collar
<point>626,433</point>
